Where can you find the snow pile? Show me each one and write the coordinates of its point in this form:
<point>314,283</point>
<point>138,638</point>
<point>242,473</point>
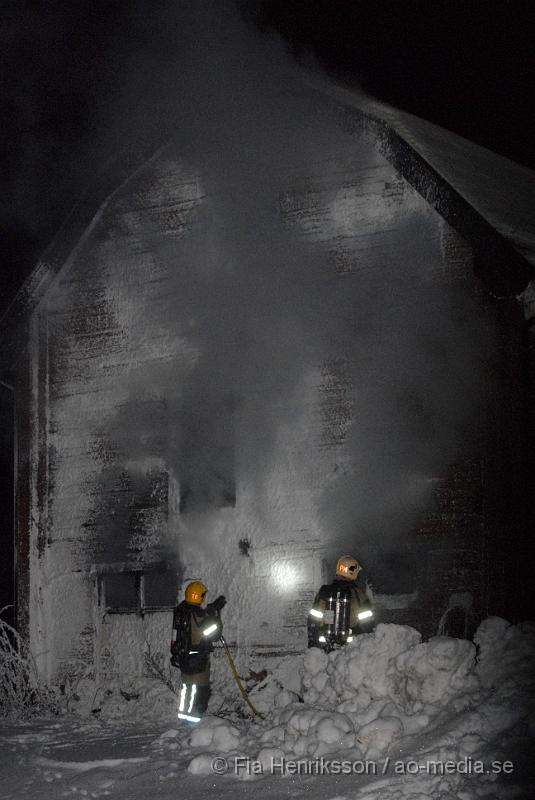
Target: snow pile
<point>141,700</point>
<point>358,673</point>
<point>388,693</point>
<point>216,734</point>
<point>390,675</point>
<point>506,671</point>
<point>433,674</point>
<point>281,686</point>
<point>504,650</point>
<point>303,731</point>
<point>361,699</point>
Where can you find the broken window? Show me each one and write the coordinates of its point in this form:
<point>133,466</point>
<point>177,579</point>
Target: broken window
<point>121,591</point>
<point>160,589</point>
<point>137,591</point>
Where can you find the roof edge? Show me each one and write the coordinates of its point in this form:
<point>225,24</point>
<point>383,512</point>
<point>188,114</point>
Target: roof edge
<point>497,263</point>
<point>75,230</point>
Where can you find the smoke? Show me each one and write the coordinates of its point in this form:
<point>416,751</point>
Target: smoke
<point>288,267</point>
<point>301,293</point>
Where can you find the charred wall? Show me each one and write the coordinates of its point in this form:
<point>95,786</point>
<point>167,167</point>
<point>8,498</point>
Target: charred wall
<point>296,356</point>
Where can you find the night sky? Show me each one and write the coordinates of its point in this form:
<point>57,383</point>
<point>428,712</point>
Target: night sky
<point>81,78</point>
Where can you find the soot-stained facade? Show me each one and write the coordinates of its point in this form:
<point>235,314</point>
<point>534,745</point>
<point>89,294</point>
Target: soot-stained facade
<point>236,361</point>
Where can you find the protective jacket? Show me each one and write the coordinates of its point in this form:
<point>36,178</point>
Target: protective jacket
<point>190,647</point>
<point>334,617</point>
<point>194,631</point>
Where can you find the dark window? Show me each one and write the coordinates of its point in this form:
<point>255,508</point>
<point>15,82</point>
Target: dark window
<point>121,591</point>
<point>137,591</point>
<point>160,589</point>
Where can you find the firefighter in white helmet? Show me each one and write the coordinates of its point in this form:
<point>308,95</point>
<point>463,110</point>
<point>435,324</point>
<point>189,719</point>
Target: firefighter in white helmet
<point>195,629</point>
<point>341,609</point>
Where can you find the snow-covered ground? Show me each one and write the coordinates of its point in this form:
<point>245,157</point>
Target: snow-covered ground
<point>388,717</point>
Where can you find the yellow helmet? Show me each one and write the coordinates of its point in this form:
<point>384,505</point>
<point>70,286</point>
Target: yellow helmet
<point>348,567</point>
<point>195,592</point>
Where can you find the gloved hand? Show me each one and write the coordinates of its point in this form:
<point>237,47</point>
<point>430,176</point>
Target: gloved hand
<point>218,604</point>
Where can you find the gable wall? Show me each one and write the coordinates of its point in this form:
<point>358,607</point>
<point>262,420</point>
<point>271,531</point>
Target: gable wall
<point>154,370</point>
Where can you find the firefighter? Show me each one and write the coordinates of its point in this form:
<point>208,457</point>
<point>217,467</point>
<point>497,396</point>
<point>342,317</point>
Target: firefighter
<point>195,629</point>
<point>341,609</point>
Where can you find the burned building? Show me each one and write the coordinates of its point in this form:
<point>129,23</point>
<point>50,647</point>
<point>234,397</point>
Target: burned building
<point>260,346</point>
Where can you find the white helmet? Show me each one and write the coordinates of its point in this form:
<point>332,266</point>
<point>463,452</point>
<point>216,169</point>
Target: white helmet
<point>348,568</point>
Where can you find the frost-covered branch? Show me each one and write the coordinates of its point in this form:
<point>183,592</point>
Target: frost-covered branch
<point>155,668</point>
<point>21,692</point>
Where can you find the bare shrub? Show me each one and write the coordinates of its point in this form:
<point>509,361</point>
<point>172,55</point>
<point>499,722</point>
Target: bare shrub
<point>22,694</point>
<point>157,666</point>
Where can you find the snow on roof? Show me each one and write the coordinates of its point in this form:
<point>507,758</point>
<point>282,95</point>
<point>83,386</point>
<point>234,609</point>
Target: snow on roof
<point>502,191</point>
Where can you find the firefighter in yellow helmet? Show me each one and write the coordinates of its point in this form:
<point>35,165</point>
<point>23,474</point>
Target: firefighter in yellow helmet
<point>195,629</point>
<point>341,609</point>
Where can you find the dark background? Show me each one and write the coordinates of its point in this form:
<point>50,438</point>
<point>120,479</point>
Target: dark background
<point>7,520</point>
<point>79,75</point>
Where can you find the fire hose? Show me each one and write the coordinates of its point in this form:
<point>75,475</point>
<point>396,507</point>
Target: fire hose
<point>237,679</point>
